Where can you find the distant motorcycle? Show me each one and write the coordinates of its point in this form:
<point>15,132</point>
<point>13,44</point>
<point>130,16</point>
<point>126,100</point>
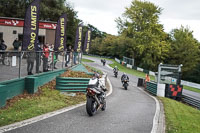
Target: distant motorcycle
<point>125,84</point>
<point>96,97</point>
<point>116,73</point>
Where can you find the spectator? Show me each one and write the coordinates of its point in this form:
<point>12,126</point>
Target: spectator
<point>50,58</point>
<point>3,47</point>
<point>16,44</point>
<point>38,57</point>
<point>55,58</point>
<point>67,57</point>
<point>45,57</point>
<point>30,62</point>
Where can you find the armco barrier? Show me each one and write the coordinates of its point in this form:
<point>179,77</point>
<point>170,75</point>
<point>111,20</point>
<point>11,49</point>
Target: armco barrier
<point>33,82</point>
<point>15,87</point>
<point>191,101</point>
<point>66,84</point>
<point>151,87</point>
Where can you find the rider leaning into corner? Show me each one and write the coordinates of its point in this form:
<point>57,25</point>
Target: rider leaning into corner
<point>124,77</point>
<point>115,69</point>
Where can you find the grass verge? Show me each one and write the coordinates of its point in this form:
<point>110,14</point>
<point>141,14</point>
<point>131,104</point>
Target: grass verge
<point>86,60</point>
<point>28,106</point>
<point>130,71</point>
<point>47,99</point>
<point>191,89</point>
<point>93,69</point>
<point>180,118</point>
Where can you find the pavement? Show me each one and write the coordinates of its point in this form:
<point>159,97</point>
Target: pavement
<point>12,72</point>
<point>130,111</point>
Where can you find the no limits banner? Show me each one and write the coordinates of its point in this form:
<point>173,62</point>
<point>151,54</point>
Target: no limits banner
<point>78,41</point>
<point>60,39</point>
<point>87,41</point>
<point>31,26</point>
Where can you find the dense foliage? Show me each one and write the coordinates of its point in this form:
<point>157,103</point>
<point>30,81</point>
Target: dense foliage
<point>142,37</point>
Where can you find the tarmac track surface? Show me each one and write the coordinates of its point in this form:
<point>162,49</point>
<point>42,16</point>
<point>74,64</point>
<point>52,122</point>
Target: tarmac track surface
<point>128,111</point>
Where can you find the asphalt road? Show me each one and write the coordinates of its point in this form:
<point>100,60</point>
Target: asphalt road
<point>128,111</point>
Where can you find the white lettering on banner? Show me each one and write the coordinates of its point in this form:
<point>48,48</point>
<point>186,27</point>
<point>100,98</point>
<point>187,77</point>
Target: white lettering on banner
<point>6,22</point>
<point>47,26</point>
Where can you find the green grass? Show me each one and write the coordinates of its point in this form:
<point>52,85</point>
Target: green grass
<point>191,89</point>
<point>31,106</point>
<point>128,70</point>
<point>180,118</point>
<point>94,69</point>
<point>86,60</point>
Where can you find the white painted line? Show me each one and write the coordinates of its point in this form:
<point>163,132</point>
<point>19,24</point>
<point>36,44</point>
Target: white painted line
<point>109,66</point>
<point>156,116</point>
<point>38,118</point>
<point>111,89</point>
<point>45,116</point>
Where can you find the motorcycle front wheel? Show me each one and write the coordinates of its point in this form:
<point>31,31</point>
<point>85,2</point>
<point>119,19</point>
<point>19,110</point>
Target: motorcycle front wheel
<point>91,106</point>
<point>125,86</point>
<point>104,106</point>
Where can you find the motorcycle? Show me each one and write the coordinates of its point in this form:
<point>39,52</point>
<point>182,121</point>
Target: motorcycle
<point>96,97</point>
<point>125,84</point>
<point>116,73</point>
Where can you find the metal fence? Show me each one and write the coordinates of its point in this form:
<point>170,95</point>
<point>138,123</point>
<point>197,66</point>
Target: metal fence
<point>191,101</point>
<point>17,64</point>
<point>129,61</point>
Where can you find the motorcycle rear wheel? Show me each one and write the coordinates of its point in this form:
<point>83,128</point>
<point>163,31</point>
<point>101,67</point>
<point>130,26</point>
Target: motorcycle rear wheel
<point>91,106</point>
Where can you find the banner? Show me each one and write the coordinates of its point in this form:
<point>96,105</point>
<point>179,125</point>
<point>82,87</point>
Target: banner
<point>60,39</point>
<point>87,41</point>
<point>78,41</point>
<point>31,26</point>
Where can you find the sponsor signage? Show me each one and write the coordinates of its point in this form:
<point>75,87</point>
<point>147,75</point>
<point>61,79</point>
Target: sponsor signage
<point>20,23</point>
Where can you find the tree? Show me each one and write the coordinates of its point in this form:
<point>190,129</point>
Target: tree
<point>96,32</point>
<point>140,23</point>
<point>184,50</point>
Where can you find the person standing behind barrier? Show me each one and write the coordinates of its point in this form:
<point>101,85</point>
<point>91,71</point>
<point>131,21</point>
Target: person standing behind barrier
<point>38,57</point>
<point>147,79</point>
<point>55,58</point>
<point>16,44</point>
<point>67,57</point>
<point>45,57</point>
<point>51,57</point>
<point>3,47</point>
<point>30,62</point>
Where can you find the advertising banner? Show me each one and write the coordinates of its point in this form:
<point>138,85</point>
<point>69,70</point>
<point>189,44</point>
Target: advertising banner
<point>31,26</point>
<point>60,38</point>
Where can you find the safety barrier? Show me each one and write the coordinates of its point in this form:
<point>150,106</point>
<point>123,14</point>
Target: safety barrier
<point>191,101</point>
<point>67,84</point>
<point>151,87</point>
<point>15,87</point>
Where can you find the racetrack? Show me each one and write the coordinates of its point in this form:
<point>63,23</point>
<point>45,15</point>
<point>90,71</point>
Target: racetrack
<point>128,111</point>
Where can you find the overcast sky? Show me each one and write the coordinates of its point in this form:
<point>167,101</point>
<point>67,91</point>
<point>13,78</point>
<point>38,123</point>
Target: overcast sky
<point>102,14</point>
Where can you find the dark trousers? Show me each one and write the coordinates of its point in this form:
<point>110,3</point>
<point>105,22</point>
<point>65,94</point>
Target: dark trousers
<point>67,58</point>
<point>45,64</point>
<point>30,66</point>
<point>3,58</point>
<point>38,62</point>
